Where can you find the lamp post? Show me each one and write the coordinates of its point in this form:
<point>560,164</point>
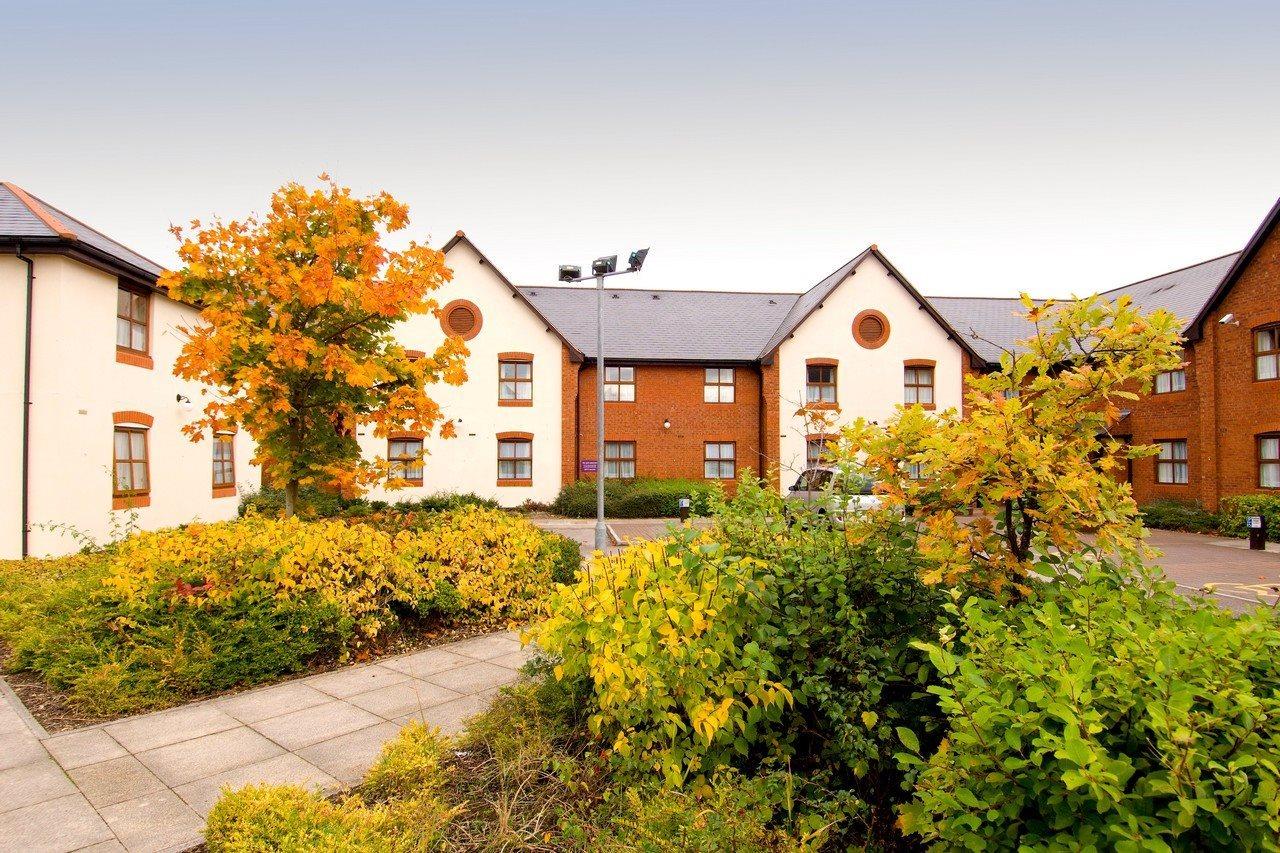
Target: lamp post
<point>601,268</point>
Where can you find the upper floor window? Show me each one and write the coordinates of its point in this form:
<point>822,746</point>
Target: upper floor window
<point>1171,380</point>
<point>918,385</point>
<point>515,461</point>
<point>404,457</point>
<point>1269,461</point>
<point>620,384</point>
<point>133,319</point>
<point>620,460</point>
<point>1266,353</point>
<point>224,460</point>
<point>515,380</point>
<point>1171,464</point>
<point>718,385</point>
<point>718,458</point>
<point>132,472</point>
<point>821,387</point>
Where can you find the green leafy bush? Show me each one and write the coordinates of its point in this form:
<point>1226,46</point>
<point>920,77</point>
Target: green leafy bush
<point>1179,515</point>
<point>1235,510</point>
<point>640,498</point>
<point>323,503</point>
<point>1107,713</point>
<point>565,556</point>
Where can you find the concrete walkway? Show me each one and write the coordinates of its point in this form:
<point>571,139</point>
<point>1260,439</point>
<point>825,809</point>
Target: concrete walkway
<point>147,783</point>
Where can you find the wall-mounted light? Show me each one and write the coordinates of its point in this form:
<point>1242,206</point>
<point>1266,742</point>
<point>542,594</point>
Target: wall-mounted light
<point>184,402</point>
<point>666,423</point>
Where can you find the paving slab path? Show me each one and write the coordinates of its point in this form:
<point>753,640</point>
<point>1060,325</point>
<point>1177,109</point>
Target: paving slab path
<point>145,784</point>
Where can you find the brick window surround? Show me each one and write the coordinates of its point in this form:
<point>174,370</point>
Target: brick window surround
<point>820,383</point>
<point>130,460</point>
<point>515,379</point>
<point>133,326</point>
<point>717,385</point>
<point>917,382</point>
<point>1269,461</point>
<point>1171,463</point>
<point>515,459</point>
<point>719,460</point>
<point>1171,381</point>
<point>871,329</point>
<point>224,465</point>
<point>1266,353</point>
<point>619,384</point>
<point>619,460</point>
<point>404,456</point>
<point>461,318</point>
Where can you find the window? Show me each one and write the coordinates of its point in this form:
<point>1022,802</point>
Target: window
<point>515,382</point>
<point>620,460</point>
<point>822,384</point>
<point>1171,464</point>
<point>815,451</point>
<point>620,384</point>
<point>1266,353</point>
<point>515,460</point>
<point>133,314</point>
<point>718,387</point>
<point>405,458</point>
<point>130,461</point>
<point>718,460</point>
<point>224,461</point>
<point>1170,381</point>
<point>1269,461</point>
<point>915,470</point>
<point>918,385</point>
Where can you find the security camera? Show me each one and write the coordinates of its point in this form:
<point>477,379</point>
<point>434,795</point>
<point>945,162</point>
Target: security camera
<point>1228,320</point>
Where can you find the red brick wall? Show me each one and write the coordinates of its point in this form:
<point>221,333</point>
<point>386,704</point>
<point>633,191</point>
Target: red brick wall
<point>674,392</point>
<point>1169,416</point>
<point>568,411</point>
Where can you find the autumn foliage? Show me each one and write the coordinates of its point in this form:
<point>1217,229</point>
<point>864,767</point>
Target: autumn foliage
<point>1038,457</point>
<point>297,311</point>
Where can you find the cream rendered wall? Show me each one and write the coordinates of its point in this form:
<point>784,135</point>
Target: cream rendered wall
<point>869,382</point>
<point>77,385</point>
<point>468,463</point>
<point>13,288</point>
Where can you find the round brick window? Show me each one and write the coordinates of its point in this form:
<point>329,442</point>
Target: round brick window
<point>461,318</point>
<point>871,329</point>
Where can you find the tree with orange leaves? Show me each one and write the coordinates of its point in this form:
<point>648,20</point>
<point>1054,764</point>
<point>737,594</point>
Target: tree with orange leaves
<point>297,313</point>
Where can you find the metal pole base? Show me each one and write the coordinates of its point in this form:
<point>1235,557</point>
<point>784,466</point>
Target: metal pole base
<point>602,536</point>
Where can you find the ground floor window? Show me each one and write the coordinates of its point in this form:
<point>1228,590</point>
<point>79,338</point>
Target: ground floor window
<point>718,460</point>
<point>620,460</point>
<point>1171,464</point>
<point>405,458</point>
<point>132,472</point>
<point>915,470</point>
<point>515,459</point>
<point>815,452</point>
<point>1269,461</point>
<point>224,460</point>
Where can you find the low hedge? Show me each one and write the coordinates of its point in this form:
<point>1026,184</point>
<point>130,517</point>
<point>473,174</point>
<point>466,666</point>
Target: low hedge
<point>1179,515</point>
<point>643,497</point>
<point>1234,511</point>
<point>320,503</point>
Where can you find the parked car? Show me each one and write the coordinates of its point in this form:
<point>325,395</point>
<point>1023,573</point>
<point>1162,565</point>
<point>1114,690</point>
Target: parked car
<point>834,493</point>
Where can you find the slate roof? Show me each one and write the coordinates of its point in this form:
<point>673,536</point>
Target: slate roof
<point>997,323</point>
<point>23,215</point>
<point>664,325</point>
<point>809,301</point>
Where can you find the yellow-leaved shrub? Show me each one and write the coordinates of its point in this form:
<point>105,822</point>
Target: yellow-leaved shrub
<point>675,643</point>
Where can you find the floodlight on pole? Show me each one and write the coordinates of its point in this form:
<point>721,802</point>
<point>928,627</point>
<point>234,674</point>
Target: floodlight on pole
<point>601,268</point>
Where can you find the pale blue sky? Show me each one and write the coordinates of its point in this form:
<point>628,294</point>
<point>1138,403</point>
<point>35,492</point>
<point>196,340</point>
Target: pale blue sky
<point>986,147</point>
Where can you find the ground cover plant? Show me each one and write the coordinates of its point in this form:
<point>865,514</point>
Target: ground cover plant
<point>170,615</point>
<point>643,497</point>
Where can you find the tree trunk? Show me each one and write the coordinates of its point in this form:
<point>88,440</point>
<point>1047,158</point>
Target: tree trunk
<point>291,498</point>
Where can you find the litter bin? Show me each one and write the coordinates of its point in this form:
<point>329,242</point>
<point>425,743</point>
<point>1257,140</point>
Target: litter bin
<point>1257,525</point>
<point>685,504</point>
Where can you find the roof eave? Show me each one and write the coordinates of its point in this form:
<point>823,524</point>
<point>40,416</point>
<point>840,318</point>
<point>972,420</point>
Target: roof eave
<point>1195,331</point>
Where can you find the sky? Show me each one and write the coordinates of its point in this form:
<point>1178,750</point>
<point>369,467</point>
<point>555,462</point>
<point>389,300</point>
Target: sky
<point>988,148</point>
